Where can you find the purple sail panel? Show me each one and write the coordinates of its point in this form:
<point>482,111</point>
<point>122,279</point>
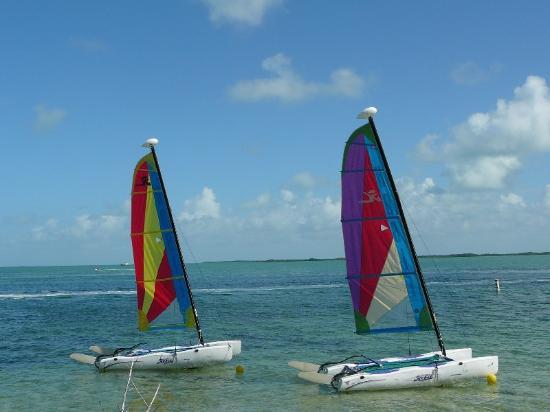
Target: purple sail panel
<point>352,234</point>
<point>352,183</point>
<point>352,193</point>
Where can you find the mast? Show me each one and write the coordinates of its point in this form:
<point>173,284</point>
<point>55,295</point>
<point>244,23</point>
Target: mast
<point>370,112</point>
<point>150,143</point>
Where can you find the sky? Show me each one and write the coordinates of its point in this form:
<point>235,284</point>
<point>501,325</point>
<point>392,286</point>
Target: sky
<point>252,101</point>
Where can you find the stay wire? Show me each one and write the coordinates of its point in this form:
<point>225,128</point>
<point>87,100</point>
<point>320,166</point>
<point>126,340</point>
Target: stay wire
<point>417,232</point>
<point>430,256</point>
<point>188,247</point>
<point>180,234</point>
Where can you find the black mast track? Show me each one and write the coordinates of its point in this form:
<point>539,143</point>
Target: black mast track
<point>197,323</point>
<point>409,238</point>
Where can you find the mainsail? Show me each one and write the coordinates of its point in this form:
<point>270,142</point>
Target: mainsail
<point>382,273</point>
<point>160,274</point>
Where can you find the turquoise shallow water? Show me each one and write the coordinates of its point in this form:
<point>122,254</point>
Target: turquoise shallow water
<point>281,311</point>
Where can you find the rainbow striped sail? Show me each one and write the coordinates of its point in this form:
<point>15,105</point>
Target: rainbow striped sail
<point>160,274</point>
<point>381,271</point>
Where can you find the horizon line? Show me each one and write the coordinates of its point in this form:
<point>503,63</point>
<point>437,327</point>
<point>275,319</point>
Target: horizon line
<point>311,259</point>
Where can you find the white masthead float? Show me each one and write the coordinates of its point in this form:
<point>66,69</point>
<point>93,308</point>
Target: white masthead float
<point>387,287</point>
<point>164,297</point>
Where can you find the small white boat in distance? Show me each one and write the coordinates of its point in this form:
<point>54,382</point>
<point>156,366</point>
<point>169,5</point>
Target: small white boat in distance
<point>387,287</point>
<point>164,297</point>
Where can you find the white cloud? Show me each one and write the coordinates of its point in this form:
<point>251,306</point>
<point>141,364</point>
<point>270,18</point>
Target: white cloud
<point>82,226</point>
<point>494,141</point>
<point>48,118</point>
<point>290,225</point>
<point>261,200</point>
<point>305,180</point>
<point>45,231</point>
<point>248,12</point>
<point>520,125</point>
<point>110,223</point>
<point>513,199</point>
<point>331,209</point>
<point>83,239</point>
<point>484,172</point>
<point>287,195</point>
<point>427,185</point>
<point>455,221</point>
<point>471,73</point>
<point>546,199</point>
<point>101,226</point>
<point>288,86</point>
<point>486,150</point>
<point>294,224</point>
<point>298,224</point>
<point>344,82</point>
<point>294,214</point>
<point>202,206</point>
<point>425,149</point>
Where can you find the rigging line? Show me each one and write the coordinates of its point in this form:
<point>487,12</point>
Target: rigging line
<point>193,257</point>
<point>408,314</point>
<point>181,232</point>
<point>431,257</point>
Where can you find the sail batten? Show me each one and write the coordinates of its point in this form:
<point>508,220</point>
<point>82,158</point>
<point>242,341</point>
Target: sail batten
<point>160,278</point>
<point>382,276</point>
<point>151,232</point>
<point>360,219</point>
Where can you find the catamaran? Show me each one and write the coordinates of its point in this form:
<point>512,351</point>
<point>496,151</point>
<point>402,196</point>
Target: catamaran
<point>387,287</point>
<point>162,284</point>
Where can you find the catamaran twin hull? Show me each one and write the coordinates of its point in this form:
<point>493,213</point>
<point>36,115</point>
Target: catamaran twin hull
<point>162,283</point>
<point>173,357</point>
<point>170,357</point>
<point>428,369</point>
<point>387,287</point>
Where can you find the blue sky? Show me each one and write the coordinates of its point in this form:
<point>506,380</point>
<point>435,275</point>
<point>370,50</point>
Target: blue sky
<point>252,101</point>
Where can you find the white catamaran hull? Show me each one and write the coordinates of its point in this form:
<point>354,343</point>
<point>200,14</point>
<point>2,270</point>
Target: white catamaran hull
<point>172,357</point>
<point>454,354</point>
<point>462,367</point>
<point>415,376</point>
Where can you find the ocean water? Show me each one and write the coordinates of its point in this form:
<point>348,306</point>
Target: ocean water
<point>281,311</point>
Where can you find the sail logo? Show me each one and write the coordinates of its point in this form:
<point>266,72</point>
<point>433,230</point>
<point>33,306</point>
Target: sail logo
<point>144,181</point>
<point>370,197</point>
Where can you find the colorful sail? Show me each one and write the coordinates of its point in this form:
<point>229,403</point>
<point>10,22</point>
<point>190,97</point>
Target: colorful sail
<point>160,280</point>
<point>383,280</point>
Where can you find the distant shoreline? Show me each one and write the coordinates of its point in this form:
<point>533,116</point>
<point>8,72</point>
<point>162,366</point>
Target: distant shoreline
<point>453,255</point>
<point>487,254</point>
